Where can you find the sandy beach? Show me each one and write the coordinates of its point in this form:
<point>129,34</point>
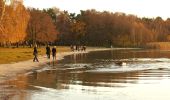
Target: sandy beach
<point>13,69</point>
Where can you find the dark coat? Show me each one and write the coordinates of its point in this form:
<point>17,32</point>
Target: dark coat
<point>54,51</point>
<point>48,51</point>
<point>35,52</point>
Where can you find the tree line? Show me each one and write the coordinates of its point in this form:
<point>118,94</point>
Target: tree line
<point>95,28</point>
<point>90,27</point>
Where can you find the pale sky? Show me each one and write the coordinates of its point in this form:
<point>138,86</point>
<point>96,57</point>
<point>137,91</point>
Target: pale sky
<point>141,8</point>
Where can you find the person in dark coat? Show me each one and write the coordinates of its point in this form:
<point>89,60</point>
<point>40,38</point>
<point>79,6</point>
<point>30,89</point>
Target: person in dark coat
<point>54,52</point>
<point>35,53</point>
<point>48,51</point>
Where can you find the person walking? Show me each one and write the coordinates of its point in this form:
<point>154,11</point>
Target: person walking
<point>48,51</point>
<point>35,53</point>
<point>54,52</point>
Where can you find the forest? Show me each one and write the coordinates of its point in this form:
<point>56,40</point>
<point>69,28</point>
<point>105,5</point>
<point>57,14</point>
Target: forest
<point>30,26</point>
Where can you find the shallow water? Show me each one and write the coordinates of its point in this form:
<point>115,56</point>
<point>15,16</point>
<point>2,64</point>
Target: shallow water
<point>96,76</point>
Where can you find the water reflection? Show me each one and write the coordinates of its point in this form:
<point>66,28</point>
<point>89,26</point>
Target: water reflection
<point>76,57</point>
<point>84,76</point>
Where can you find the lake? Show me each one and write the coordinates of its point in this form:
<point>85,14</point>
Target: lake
<point>96,76</point>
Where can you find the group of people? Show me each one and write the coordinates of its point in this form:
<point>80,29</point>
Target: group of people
<point>77,48</point>
<point>48,53</point>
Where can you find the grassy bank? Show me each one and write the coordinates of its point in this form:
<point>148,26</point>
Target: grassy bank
<point>10,55</point>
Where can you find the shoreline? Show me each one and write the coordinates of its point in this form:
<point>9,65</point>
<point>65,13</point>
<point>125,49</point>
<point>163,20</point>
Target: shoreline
<point>8,71</point>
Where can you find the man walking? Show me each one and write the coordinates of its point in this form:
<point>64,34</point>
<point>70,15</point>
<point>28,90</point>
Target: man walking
<point>54,52</point>
<point>48,51</point>
<point>35,53</point>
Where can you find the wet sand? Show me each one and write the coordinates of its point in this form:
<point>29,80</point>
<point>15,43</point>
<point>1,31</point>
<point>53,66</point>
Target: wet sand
<point>11,70</point>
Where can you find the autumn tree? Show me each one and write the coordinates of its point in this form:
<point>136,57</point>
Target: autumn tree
<point>77,32</point>
<point>14,23</point>
<point>52,12</point>
<point>2,9</point>
<point>64,24</point>
<point>40,28</point>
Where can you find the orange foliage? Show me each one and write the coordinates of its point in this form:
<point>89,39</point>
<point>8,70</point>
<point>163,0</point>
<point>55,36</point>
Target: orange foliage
<point>14,24</point>
<point>41,28</point>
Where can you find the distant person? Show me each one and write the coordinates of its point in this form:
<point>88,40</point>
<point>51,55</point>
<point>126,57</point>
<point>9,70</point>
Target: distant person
<point>35,53</point>
<point>84,48</point>
<point>77,48</point>
<point>48,51</point>
<point>54,52</point>
<point>111,46</point>
<point>72,48</point>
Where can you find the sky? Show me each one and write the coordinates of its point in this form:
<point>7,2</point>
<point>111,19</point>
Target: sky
<point>140,8</point>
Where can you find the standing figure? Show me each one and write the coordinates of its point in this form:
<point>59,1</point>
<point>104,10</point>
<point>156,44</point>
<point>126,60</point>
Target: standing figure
<point>54,52</point>
<point>84,48</point>
<point>35,53</point>
<point>48,51</point>
<point>72,48</point>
